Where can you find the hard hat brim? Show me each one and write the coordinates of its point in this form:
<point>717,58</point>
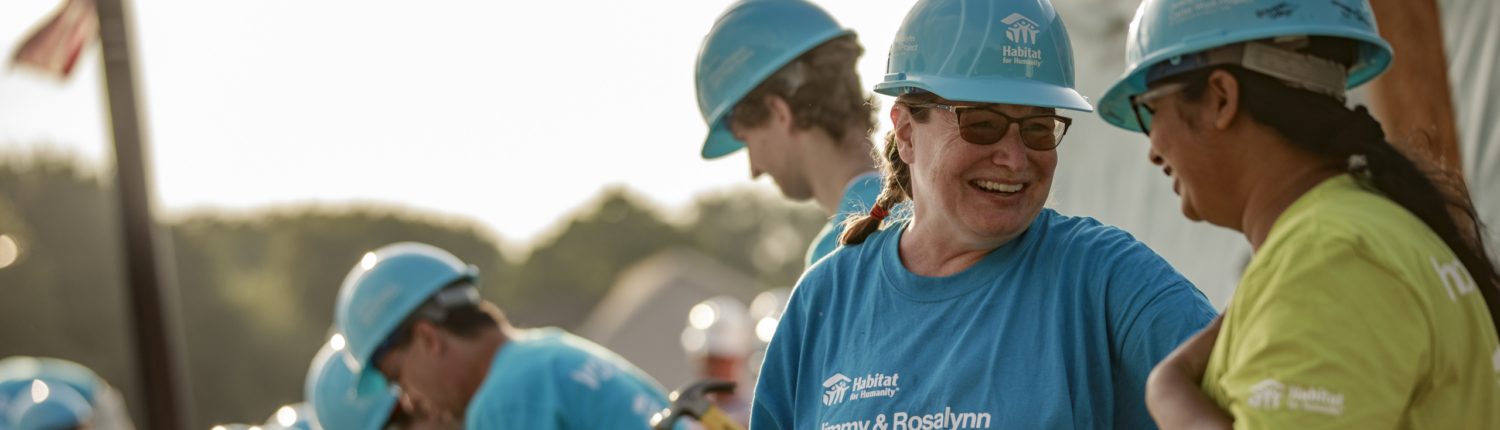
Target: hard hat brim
<point>992,90</point>
<point>1115,107</point>
<point>720,142</point>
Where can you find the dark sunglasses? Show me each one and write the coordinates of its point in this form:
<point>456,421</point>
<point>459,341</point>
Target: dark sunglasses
<point>983,125</point>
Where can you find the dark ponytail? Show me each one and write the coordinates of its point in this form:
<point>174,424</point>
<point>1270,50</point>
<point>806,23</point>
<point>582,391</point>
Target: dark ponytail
<point>1323,126</point>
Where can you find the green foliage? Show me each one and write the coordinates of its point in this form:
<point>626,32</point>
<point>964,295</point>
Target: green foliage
<point>258,293</point>
<point>65,296</point>
<point>757,233</point>
<point>564,277</point>
<point>256,289</point>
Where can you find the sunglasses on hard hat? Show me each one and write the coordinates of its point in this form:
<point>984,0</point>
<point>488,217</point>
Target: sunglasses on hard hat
<point>983,125</point>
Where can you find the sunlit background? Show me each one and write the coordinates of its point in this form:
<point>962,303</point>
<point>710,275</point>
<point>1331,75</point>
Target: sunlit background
<point>508,115</point>
<point>553,144</point>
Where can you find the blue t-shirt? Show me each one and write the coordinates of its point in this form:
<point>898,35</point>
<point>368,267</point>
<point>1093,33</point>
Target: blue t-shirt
<point>550,379</point>
<point>859,196</point>
<point>1056,329</point>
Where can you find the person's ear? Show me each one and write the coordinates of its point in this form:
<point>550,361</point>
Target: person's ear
<point>1222,99</point>
<point>902,119</point>
<point>780,117</point>
<point>428,337</point>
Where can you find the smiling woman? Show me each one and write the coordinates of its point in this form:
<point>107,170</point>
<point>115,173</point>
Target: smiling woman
<point>1360,252</point>
<point>943,297</point>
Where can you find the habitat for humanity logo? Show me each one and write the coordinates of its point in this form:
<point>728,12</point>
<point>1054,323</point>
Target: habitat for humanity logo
<point>1271,395</point>
<point>837,386</point>
<point>1022,29</point>
<point>1022,33</point>
<point>1266,395</point>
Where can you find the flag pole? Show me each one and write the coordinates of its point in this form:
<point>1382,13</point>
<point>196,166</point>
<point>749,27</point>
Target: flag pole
<point>149,308</point>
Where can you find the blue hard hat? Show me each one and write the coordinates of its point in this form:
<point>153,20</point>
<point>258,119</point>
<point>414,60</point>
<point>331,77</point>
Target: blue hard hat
<point>986,51</point>
<point>18,372</point>
<point>384,288</point>
<point>50,407</point>
<point>1167,30</point>
<point>749,43</point>
<point>334,401</point>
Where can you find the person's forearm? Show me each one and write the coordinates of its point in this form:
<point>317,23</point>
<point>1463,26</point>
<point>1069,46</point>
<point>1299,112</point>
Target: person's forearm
<point>1176,403</point>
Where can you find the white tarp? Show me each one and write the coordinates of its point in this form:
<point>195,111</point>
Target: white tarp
<point>1473,49</point>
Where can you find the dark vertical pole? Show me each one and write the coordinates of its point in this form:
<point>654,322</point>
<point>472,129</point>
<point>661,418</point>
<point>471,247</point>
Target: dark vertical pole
<point>147,281</point>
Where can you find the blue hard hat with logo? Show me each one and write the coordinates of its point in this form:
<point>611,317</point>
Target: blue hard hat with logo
<point>384,288</point>
<point>986,51</point>
<point>50,407</point>
<point>333,399</point>
<point>750,42</point>
<point>1167,30</point>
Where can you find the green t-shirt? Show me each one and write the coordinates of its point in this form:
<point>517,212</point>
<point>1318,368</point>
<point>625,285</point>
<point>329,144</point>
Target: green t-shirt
<point>1354,314</point>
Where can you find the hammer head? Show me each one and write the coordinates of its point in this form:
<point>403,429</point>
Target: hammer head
<point>691,400</point>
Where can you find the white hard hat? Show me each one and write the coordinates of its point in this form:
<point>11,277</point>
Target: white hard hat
<point>717,327</point>
<point>765,311</point>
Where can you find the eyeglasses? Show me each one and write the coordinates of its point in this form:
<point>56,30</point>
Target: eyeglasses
<point>983,125</point>
<point>1140,103</point>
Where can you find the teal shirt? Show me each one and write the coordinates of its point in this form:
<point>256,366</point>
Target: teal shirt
<point>1056,329</point>
<point>549,379</point>
<point>859,196</point>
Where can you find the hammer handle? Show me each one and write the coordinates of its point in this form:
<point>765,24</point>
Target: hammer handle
<point>714,419</point>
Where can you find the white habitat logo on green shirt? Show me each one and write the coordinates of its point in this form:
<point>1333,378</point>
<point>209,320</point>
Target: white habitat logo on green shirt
<point>1455,278</point>
<point>1268,395</point>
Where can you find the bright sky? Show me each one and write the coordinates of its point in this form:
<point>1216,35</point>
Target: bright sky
<point>513,116</point>
<point>510,115</point>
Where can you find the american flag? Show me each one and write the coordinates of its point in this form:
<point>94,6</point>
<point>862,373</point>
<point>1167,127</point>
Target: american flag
<point>54,47</point>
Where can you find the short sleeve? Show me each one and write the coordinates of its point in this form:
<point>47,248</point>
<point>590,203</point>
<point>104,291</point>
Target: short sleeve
<point>1330,340</point>
<point>775,396</point>
<point>1153,309</point>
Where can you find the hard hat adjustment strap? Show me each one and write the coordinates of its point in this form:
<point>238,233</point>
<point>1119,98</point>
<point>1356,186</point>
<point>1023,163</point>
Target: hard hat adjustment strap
<point>794,75</point>
<point>1297,70</point>
<point>460,293</point>
<point>1308,72</point>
